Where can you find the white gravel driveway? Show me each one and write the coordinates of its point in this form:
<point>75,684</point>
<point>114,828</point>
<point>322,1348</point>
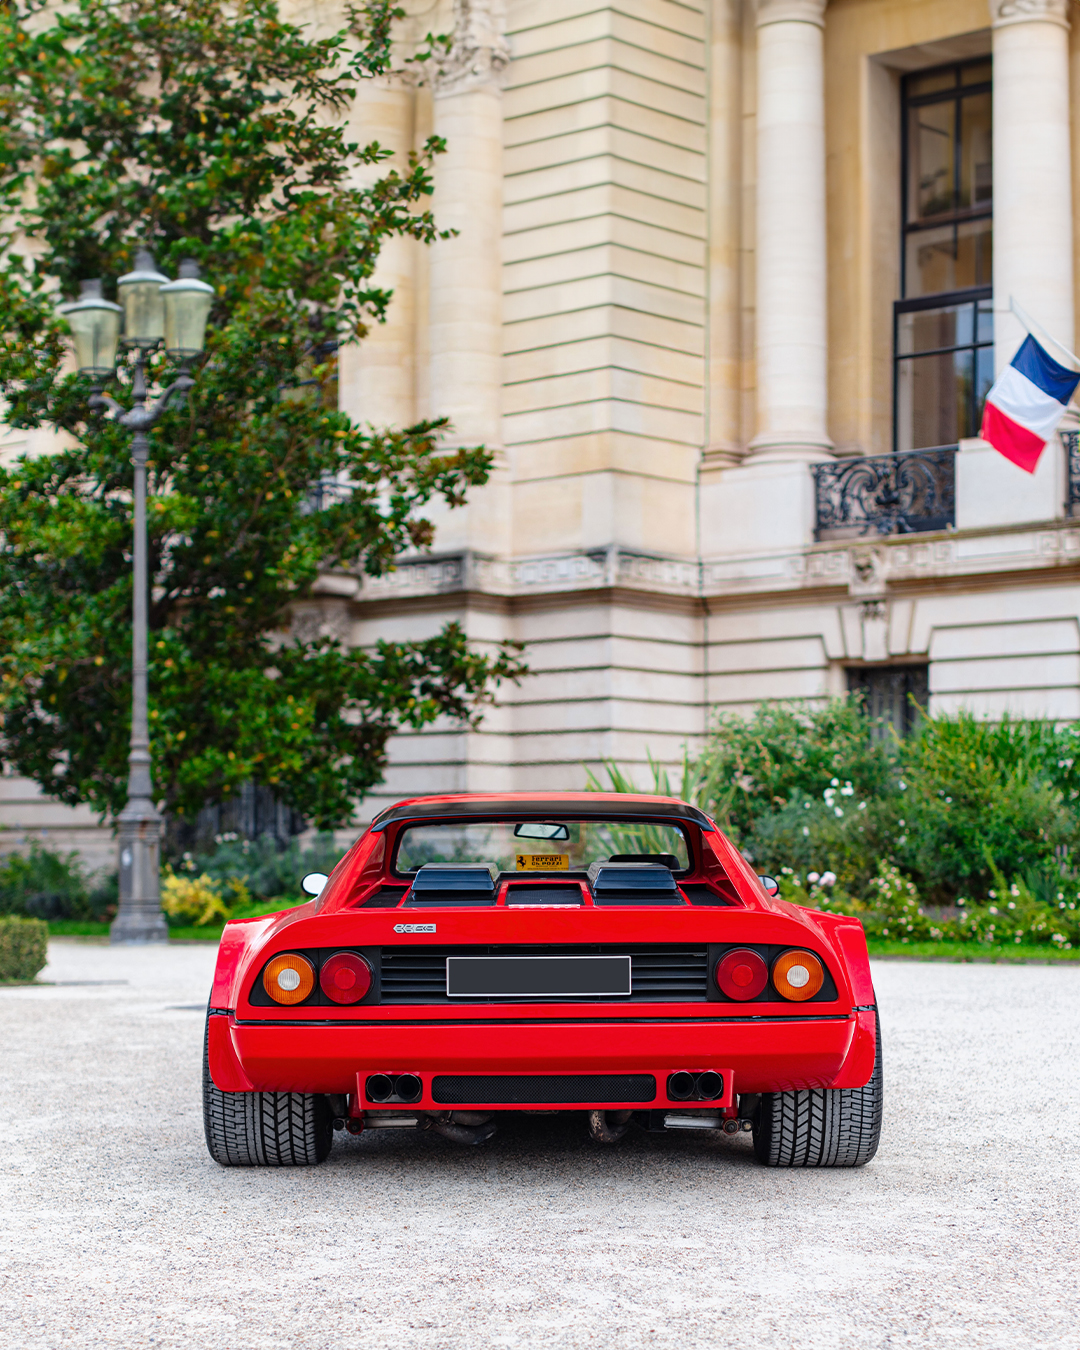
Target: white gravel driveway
<point>118,1230</point>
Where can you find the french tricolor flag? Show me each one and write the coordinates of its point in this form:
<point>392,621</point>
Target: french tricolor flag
<point>1027,401</point>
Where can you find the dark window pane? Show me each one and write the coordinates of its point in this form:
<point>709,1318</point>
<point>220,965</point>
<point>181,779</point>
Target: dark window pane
<point>931,152</point>
<point>984,330</point>
<point>933,400</point>
<point>976,158</point>
<point>930,264</point>
<point>984,378</point>
<point>977,73</point>
<point>949,258</point>
<point>931,83</point>
<point>926,329</point>
<point>974,253</point>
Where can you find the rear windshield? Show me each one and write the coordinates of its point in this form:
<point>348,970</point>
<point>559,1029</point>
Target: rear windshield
<point>570,845</point>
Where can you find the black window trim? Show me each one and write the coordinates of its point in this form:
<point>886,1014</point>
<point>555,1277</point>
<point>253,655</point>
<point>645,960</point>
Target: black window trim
<point>956,95</point>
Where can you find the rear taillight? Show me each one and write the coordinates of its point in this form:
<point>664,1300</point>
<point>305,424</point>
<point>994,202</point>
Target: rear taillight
<point>741,974</point>
<point>345,977</point>
<point>797,975</point>
<point>289,978</point>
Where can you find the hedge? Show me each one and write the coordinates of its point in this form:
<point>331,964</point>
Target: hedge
<point>23,944</point>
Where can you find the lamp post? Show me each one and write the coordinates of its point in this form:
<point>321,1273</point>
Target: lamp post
<point>153,310</point>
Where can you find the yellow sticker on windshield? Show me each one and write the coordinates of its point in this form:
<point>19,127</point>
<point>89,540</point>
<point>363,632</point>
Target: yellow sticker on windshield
<point>542,862</point>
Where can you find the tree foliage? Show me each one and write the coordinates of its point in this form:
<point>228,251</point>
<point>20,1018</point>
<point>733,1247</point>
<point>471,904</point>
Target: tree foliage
<point>213,131</point>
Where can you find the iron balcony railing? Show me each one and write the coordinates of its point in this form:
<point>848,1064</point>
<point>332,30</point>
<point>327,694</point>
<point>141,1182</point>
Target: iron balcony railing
<point>908,493</point>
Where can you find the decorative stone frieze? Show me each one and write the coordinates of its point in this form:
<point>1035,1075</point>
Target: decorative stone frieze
<point>591,570</point>
<point>1004,12</point>
<point>479,53</point>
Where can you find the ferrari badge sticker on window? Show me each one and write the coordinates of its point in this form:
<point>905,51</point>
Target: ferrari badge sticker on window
<point>542,862</point>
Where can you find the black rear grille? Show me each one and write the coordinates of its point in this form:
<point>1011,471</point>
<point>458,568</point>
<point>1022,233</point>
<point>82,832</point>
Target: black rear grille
<point>657,974</point>
<point>512,1089</point>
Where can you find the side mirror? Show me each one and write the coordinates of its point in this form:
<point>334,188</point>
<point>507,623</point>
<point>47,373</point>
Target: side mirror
<point>771,885</point>
<point>314,882</point>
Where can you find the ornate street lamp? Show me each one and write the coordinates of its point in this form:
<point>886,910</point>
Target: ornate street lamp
<point>153,310</point>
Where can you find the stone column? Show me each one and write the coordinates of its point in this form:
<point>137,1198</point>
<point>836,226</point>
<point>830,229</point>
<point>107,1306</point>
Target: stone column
<point>1033,240</point>
<point>790,251</point>
<point>465,324</point>
<point>1033,260</point>
<point>378,375</point>
<point>724,376</point>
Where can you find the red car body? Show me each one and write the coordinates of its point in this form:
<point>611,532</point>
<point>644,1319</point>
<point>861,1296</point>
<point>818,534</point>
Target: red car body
<point>767,1045</point>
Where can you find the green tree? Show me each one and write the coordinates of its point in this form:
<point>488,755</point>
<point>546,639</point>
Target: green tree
<point>210,131</point>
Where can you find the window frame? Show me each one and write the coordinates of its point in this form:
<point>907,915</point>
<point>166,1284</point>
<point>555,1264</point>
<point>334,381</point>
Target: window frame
<point>959,215</point>
<point>972,296</point>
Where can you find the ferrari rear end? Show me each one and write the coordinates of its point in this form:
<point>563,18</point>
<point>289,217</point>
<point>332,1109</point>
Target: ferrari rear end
<point>605,954</point>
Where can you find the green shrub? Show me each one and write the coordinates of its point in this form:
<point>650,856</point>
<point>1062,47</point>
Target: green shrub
<point>23,948</point>
<point>43,884</point>
<point>262,869</point>
<point>976,791</point>
<point>916,836</point>
<point>196,902</point>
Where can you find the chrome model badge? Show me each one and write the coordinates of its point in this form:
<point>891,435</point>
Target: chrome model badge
<point>414,928</point>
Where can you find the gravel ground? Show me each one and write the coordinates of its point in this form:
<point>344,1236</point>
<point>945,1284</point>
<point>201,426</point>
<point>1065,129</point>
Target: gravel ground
<point>120,1231</point>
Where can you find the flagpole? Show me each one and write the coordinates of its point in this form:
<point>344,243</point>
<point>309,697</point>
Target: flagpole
<point>1038,330</point>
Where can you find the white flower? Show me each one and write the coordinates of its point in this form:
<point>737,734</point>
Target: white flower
<point>835,782</point>
<point>847,790</point>
<point>812,877</point>
<point>837,811</point>
<point>828,878</point>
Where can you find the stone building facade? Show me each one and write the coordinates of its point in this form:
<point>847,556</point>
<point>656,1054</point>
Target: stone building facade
<point>729,282</point>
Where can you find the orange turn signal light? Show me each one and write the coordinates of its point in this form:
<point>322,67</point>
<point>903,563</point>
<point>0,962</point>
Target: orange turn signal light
<point>797,975</point>
<point>289,978</point>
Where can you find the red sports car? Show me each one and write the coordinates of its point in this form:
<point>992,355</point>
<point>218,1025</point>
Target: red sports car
<point>607,954</point>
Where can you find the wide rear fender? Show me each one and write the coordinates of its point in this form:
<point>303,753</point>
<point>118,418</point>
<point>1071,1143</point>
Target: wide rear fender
<point>241,945</point>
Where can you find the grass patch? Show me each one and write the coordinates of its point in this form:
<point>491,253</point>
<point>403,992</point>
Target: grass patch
<point>206,933</point>
<point>77,928</point>
<point>972,951</point>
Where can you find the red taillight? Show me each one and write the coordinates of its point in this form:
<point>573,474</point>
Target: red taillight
<point>742,974</point>
<point>345,978</point>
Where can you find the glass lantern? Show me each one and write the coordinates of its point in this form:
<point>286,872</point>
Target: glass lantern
<point>187,308</point>
<point>140,295</point>
<point>95,325</point>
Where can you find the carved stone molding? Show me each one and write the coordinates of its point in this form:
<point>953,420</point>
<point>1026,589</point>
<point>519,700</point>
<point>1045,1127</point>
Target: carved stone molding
<point>1005,12</point>
<point>791,11</point>
<point>479,54</point>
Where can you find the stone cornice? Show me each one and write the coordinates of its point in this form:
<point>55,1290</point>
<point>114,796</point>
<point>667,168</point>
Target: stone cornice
<point>479,53</point>
<point>1003,13</point>
<point>791,11</point>
<point>862,569</point>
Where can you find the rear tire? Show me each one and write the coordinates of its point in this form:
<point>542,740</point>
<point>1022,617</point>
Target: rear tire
<point>264,1129</point>
<point>821,1127</point>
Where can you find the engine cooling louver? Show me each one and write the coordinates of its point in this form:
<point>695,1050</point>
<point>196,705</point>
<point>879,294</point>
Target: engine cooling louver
<point>668,974</point>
